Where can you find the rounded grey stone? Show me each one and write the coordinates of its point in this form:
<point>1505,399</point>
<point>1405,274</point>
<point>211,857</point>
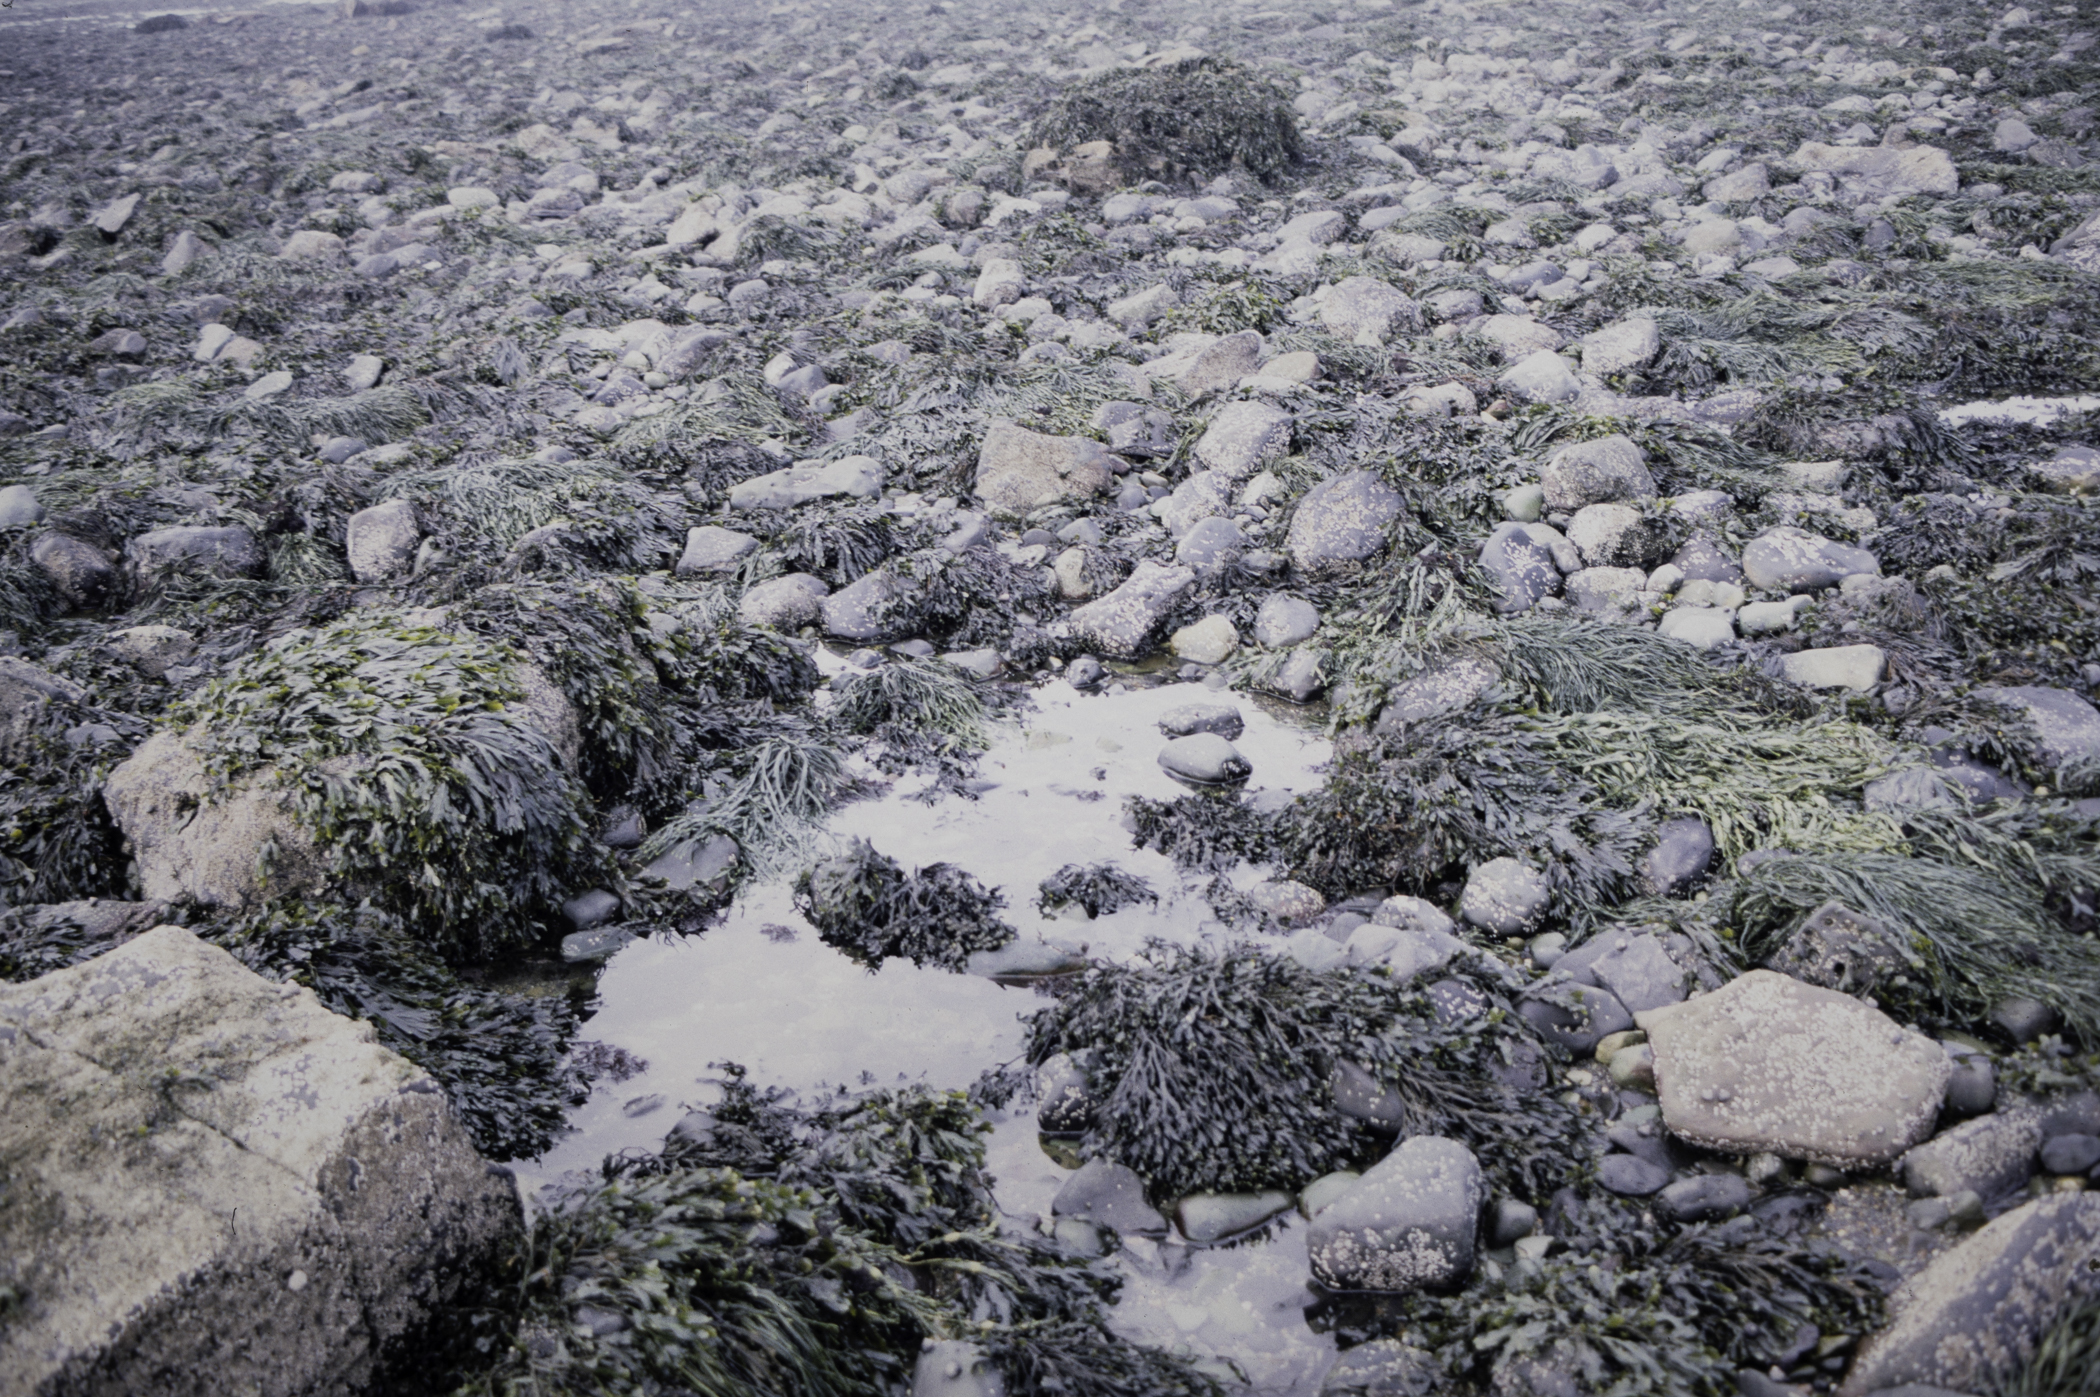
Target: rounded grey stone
<point>1630,1176</point>
<point>1684,849</point>
<point>1211,548</point>
<point>18,507</point>
<point>785,603</point>
<point>1409,1222</point>
<point>1512,1218</point>
<point>1108,1195</point>
<point>1204,758</point>
<point>1704,1198</point>
<point>1185,719</point>
<point>1596,472</point>
<point>2070,1154</point>
<point>1284,621</point>
<point>1342,520</point>
<point>1520,566</point>
<point>1504,896</point>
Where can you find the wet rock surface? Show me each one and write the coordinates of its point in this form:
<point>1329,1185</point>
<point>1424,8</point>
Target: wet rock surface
<point>489,500</point>
<point>290,1199</point>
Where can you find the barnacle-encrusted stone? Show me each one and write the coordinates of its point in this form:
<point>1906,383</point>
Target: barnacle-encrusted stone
<point>1407,1223</point>
<point>1768,1064</point>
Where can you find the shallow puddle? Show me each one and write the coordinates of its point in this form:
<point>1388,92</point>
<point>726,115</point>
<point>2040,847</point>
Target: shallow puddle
<point>760,989</point>
<point>2021,411</point>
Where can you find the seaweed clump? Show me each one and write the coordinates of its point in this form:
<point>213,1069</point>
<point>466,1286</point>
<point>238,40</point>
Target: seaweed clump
<point>1097,889</point>
<point>1215,1070</point>
<point>1194,119</point>
<point>769,1248</point>
<point>413,757</point>
<point>1631,1308</point>
<point>2064,1362</point>
<point>1982,900</point>
<point>914,708</point>
<point>865,904</point>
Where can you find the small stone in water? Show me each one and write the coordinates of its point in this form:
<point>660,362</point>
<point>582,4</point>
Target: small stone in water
<point>1204,759</point>
<point>1190,718</point>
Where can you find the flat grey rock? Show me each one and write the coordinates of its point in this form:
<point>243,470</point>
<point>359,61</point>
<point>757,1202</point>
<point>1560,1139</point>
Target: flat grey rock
<point>1019,470</point>
<point>1577,1016</point>
<point>1787,559</point>
<point>1989,1156</point>
<point>1220,718</point>
<point>1767,1064</point>
<point>1541,376</point>
<point>304,1196</point>
<point>1405,952</point>
<point>710,548</point>
<point>1637,970</point>
<point>851,477</point>
<point>1413,913</point>
<point>1447,688</point>
<point>1213,1217</point>
<point>1122,623</point>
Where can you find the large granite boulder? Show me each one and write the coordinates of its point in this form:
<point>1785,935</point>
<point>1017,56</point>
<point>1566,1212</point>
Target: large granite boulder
<point>1768,1065</point>
<point>215,1185</point>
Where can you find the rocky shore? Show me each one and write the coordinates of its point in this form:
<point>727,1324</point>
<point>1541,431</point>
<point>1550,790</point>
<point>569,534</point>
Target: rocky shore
<point>489,492</point>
